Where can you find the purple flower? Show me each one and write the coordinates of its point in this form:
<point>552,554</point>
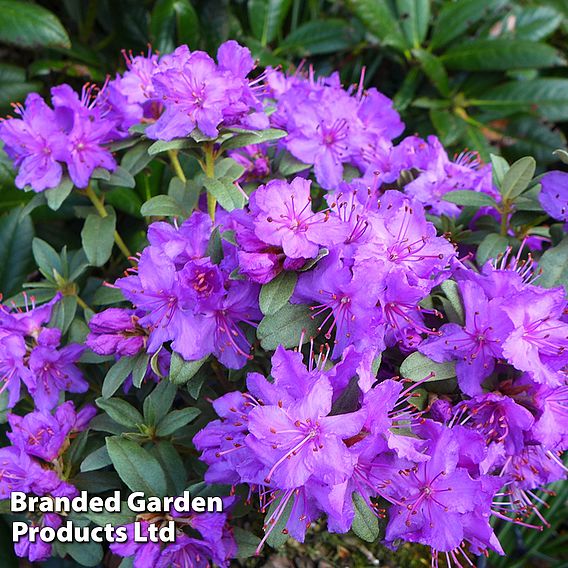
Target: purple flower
<point>551,428</point>
<point>284,218</point>
<point>12,366</point>
<point>38,551</point>
<point>475,346</point>
<point>303,440</point>
<point>36,143</point>
<point>554,195</point>
<point>54,370</point>
<point>346,299</point>
<point>145,554</point>
<point>538,342</point>
<point>116,331</point>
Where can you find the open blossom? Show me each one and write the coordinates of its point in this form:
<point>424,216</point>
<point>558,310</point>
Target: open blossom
<point>284,217</point>
<point>554,195</point>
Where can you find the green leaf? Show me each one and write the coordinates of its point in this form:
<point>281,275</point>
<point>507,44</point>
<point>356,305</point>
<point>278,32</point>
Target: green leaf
<point>121,177</point>
<point>380,20</point>
<point>139,470</point>
<point>277,292</point>
<point>159,402</point>
<point>175,420</point>
<point>117,375</point>
<point>16,236</point>
<point>470,198</point>
<point>161,206</point>
<point>165,145</point>
<point>174,22</point>
<point>491,247</point>
<point>224,190</point>
<point>120,411</point>
<point>451,290</point>
<point>456,17</point>
<point>319,37</point>
<point>85,553</point>
<point>63,313</point>
<point>137,158</point>
<point>28,25</point>
<point>285,327</point>
<point>267,17</point>
<point>97,237</point>
<point>288,165</point>
<point>13,85</point>
<point>536,22</point>
<point>365,523</point>
<point>172,465</point>
<point>434,69</point>
<point>246,541</point>
<point>449,128</point>
<point>554,266</point>
<point>278,535</point>
<point>105,295</point>
<point>417,367</point>
<point>215,247</point>
<point>518,177</point>
<point>500,167</point>
<point>414,16</point>
<point>57,195</point>
<point>253,137</point>
<point>96,460</point>
<point>181,371</point>
<point>500,55</point>
<point>547,97</point>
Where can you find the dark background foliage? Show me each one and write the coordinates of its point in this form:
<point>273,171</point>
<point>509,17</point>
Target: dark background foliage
<point>484,75</point>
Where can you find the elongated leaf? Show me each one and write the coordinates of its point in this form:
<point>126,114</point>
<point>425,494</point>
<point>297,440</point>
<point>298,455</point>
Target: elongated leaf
<point>266,18</point>
<point>380,20</point>
<point>320,37</point>
<point>500,55</point>
<point>470,198</point>
<point>181,370</point>
<point>365,523</point>
<point>554,265</point>
<point>161,206</point>
<point>175,420</point>
<point>518,177</point>
<point>97,237</point>
<point>136,467</point>
<point>225,192</point>
<point>414,16</point>
<point>456,17</point>
<point>491,247</point>
<point>547,97</point>
<point>536,22</point>
<point>277,292</point>
<point>117,375</point>
<point>417,367</point>
<point>16,235</point>
<point>285,327</point>
<point>28,25</point>
<point>120,411</point>
<point>174,22</point>
<point>434,69</point>
<point>14,85</point>
<point>241,140</point>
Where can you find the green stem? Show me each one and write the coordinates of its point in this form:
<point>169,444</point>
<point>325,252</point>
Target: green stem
<point>210,173</point>
<point>83,304</point>
<point>176,165</point>
<point>505,218</point>
<point>103,213</point>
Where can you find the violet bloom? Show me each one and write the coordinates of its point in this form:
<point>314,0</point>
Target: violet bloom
<point>284,217</point>
<point>54,370</point>
<point>38,551</point>
<point>345,300</point>
<point>145,554</point>
<point>477,345</point>
<point>551,428</point>
<point>538,343</point>
<point>303,440</point>
<point>254,160</point>
<point>554,195</point>
<point>12,366</point>
<point>432,497</point>
<point>87,130</point>
<point>36,144</point>
<point>116,331</point>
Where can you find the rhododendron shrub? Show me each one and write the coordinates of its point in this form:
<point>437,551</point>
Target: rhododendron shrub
<point>328,322</point>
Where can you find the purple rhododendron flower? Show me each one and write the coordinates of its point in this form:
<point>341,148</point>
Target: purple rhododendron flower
<point>554,195</point>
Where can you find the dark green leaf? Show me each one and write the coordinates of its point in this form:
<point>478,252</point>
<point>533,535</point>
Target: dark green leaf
<point>285,327</point>
<point>417,367</point>
<point>85,553</point>
<point>470,198</point>
<point>181,370</point>
<point>277,292</point>
<point>161,206</point>
<point>224,190</point>
<point>158,403</point>
<point>136,467</point>
<point>120,411</point>
<point>253,137</point>
<point>434,69</point>
<point>174,22</point>
<point>28,25</point>
<point>518,177</point>
<point>117,375</point>
<point>266,18</point>
<point>365,523</point>
<point>97,237</point>
<point>554,266</point>
<point>414,17</point>
<point>172,465</point>
<point>175,420</point>
<point>96,460</point>
<point>246,541</point>
<point>16,235</point>
<point>500,55</point>
<point>491,247</point>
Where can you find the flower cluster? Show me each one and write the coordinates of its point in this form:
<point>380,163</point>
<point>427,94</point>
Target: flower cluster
<point>33,464</point>
<point>30,352</point>
<point>382,371</point>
